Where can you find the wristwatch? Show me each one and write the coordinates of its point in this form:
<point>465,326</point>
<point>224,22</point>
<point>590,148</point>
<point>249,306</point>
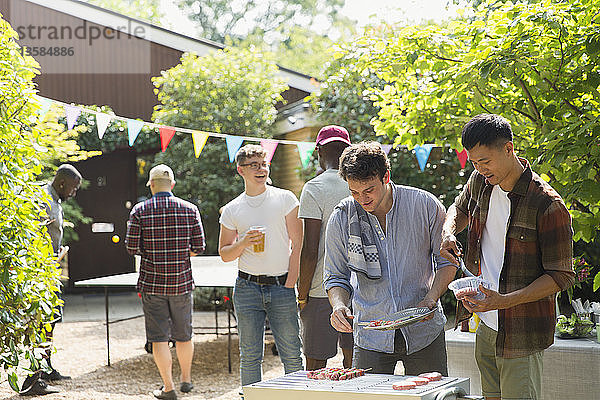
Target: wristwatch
<point>302,301</point>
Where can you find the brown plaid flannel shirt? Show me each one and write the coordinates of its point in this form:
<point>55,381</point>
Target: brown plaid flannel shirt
<point>539,240</point>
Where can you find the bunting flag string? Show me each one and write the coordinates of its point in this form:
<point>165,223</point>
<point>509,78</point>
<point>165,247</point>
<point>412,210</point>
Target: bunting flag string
<point>44,106</point>
<point>305,150</point>
<point>102,121</point>
<point>233,145</point>
<point>134,127</point>
<point>386,148</point>
<point>199,138</point>
<point>462,157</point>
<point>166,134</point>
<point>72,113</point>
<point>269,146</point>
<point>422,153</point>
<point>153,125</point>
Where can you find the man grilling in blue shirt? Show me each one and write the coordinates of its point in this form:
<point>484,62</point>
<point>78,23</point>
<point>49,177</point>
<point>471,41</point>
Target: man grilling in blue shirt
<point>382,251</point>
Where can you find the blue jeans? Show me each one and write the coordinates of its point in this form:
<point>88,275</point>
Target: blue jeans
<point>254,302</point>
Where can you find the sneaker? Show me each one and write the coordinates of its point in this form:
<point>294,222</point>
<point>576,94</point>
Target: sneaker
<point>54,376</point>
<point>39,388</point>
<point>186,387</point>
<point>161,394</point>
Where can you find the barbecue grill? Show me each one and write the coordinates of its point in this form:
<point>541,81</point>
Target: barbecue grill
<point>297,386</point>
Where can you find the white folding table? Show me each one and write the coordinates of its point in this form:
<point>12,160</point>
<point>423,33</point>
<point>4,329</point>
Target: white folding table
<point>207,271</point>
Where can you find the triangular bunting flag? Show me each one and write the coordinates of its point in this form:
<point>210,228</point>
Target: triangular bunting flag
<point>44,105</point>
<point>199,139</point>
<point>422,153</point>
<point>269,146</point>
<point>102,121</point>
<point>386,148</point>
<point>166,134</point>
<point>133,129</point>
<point>233,145</point>
<point>305,149</point>
<point>462,157</point>
<point>71,112</point>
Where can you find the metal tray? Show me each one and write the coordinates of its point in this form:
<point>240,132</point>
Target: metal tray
<point>401,318</point>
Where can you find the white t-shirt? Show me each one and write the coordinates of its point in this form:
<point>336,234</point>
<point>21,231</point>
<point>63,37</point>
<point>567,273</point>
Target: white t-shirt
<point>267,210</point>
<point>319,197</point>
<point>493,243</point>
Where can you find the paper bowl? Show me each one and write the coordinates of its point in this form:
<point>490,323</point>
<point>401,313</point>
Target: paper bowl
<point>469,285</point>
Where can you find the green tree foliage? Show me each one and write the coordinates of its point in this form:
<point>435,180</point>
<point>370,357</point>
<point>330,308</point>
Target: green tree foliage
<point>27,270</point>
<point>297,32</point>
<point>233,91</point>
<point>536,64</point>
<point>302,50</point>
<point>220,19</point>
<point>344,98</point>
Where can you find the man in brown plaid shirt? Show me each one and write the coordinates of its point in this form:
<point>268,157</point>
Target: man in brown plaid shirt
<point>520,241</point>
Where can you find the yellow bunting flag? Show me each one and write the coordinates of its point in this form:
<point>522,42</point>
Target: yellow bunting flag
<point>199,139</point>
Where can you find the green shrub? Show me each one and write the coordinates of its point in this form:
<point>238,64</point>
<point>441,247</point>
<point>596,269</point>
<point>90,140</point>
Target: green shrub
<point>28,274</point>
<point>231,91</point>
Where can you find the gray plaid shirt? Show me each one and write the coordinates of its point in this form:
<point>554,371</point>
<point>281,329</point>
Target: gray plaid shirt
<point>409,256</point>
<point>55,214</point>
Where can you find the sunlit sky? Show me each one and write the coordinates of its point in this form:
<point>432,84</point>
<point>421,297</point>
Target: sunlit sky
<point>363,11</point>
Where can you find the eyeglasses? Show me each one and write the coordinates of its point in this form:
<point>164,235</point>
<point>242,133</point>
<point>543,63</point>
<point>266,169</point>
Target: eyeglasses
<point>256,165</point>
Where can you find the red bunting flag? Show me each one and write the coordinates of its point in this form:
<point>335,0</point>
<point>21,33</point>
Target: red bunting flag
<point>166,134</point>
<point>462,157</point>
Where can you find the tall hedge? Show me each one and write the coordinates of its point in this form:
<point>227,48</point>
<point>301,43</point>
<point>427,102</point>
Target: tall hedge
<point>28,275</point>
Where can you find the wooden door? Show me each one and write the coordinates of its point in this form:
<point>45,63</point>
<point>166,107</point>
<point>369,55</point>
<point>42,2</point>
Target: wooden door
<point>107,200</point>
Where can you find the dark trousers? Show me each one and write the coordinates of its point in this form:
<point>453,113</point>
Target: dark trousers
<point>432,358</point>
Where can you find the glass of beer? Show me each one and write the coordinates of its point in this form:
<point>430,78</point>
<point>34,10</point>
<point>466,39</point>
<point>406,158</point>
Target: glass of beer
<point>260,246</point>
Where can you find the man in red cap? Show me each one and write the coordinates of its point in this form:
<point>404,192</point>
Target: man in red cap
<point>319,197</point>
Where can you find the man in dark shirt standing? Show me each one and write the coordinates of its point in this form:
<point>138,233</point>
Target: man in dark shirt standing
<point>165,230</point>
<point>65,184</point>
<point>319,197</point>
<point>520,241</point>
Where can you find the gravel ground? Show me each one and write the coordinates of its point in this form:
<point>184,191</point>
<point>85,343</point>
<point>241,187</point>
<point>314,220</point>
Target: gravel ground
<point>81,353</point>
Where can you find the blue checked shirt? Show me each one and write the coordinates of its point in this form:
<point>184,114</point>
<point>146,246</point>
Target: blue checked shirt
<point>409,256</point>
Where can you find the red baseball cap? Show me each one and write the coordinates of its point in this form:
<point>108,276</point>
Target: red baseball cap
<point>332,133</point>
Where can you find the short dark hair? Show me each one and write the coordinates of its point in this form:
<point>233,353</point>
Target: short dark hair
<point>67,171</point>
<point>249,151</point>
<point>363,161</point>
<point>486,130</point>
<point>335,148</point>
